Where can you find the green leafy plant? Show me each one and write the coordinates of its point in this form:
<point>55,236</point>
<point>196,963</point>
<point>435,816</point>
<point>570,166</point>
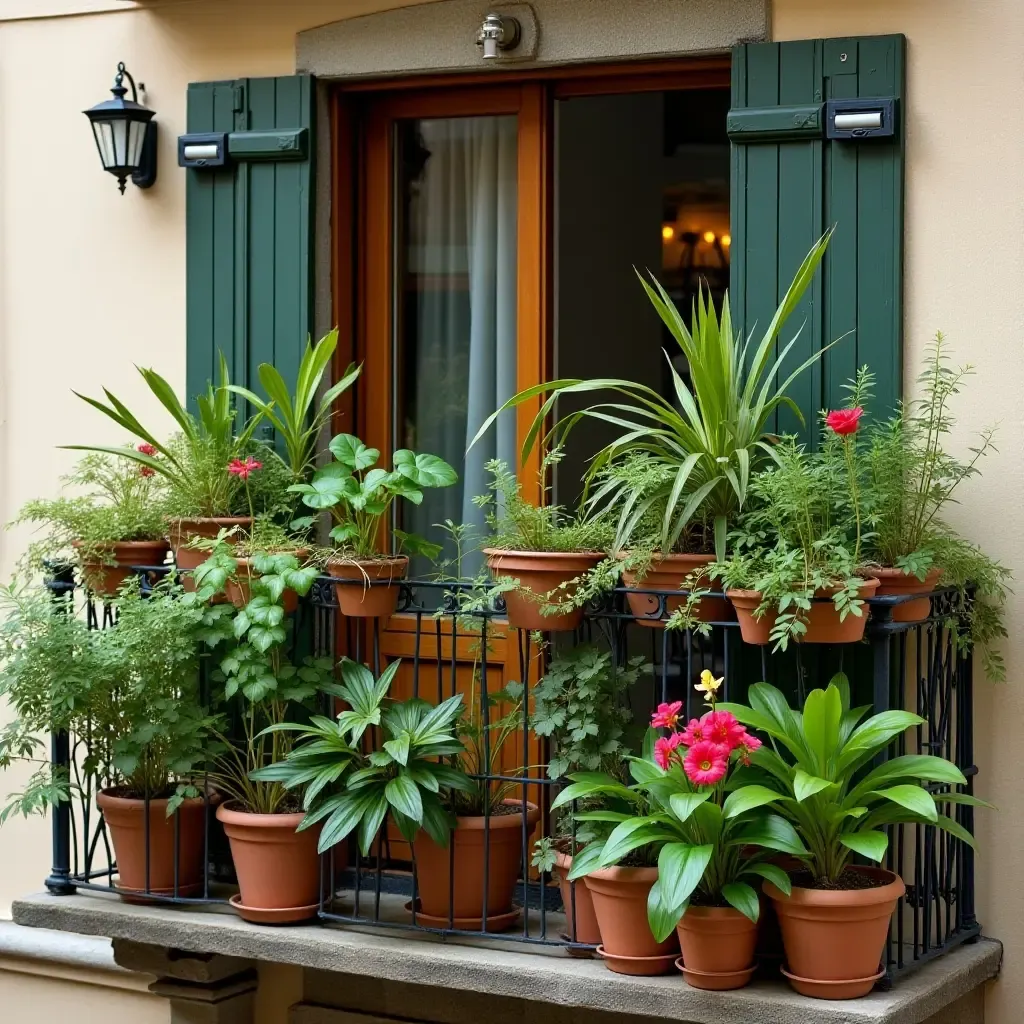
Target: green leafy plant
<point>710,437</point>
<point>818,768</point>
<point>348,789</point>
<point>292,414</point>
<point>358,494</point>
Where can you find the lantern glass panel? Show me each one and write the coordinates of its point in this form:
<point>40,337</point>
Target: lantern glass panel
<point>105,141</point>
<point>120,130</point>
<point>136,137</point>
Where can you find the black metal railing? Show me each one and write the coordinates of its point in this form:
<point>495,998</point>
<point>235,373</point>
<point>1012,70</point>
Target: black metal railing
<point>451,641</point>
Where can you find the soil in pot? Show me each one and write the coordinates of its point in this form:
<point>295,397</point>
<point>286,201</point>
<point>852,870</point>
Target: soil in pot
<point>580,919</point>
<point>834,939</point>
<point>111,564</point>
<point>897,583</point>
<point>620,905</point>
<point>373,587</point>
<point>278,869</point>
<point>446,886</point>
<point>125,819</point>
<point>183,531</point>
<point>718,945</point>
<point>670,573</point>
<point>539,573</point>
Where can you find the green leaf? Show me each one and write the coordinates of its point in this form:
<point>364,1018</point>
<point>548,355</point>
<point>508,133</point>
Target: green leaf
<point>684,804</point>
<point>773,832</point>
<point>662,918</point>
<point>956,830</point>
<point>404,795</point>
<point>352,453</point>
<point>873,737</point>
<point>631,835</point>
<point>680,870</point>
<point>747,798</point>
<point>823,711</point>
<point>743,898</point>
<point>424,470</point>
<point>772,873</point>
<point>868,843</point>
<point>398,748</point>
<point>926,767</point>
<point>805,786</point>
<point>586,861</point>
<point>915,799</point>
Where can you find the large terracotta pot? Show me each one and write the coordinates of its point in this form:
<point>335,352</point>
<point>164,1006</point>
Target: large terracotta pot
<point>538,573</point>
<point>753,630</point>
<point>718,945</point>
<point>620,904</point>
<point>183,531</point>
<point>669,572</point>
<point>374,587</point>
<point>834,938</point>
<point>125,819</point>
<point>278,869</point>
<point>897,583</point>
<point>580,919</point>
<point>458,893</point>
<point>110,564</point>
<point>239,589</point>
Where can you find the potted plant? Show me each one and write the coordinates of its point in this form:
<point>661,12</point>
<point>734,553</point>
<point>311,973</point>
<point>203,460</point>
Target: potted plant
<point>538,553</point>
<point>359,494</point>
<point>116,521</point>
<point>277,867</point>
<point>793,572</point>
<point>711,836</point>
<point>135,685</point>
<point>708,438</point>
<point>836,916</point>
<point>579,706</point>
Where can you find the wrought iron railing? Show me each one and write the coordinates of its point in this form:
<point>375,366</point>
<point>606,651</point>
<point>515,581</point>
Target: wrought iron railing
<point>917,666</point>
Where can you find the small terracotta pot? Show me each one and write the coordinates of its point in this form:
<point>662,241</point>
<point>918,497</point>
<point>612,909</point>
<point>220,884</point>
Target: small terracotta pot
<point>897,583</point>
<point>125,818</point>
<point>620,904</point>
<point>753,630</point>
<point>373,594</point>
<point>538,573</point>
<point>104,575</point>
<point>183,531</point>
<point>834,939</point>
<point>823,625</point>
<point>464,899</point>
<point>718,946</point>
<point>239,590</point>
<point>278,869</point>
<point>581,926</point>
<point>669,572</point>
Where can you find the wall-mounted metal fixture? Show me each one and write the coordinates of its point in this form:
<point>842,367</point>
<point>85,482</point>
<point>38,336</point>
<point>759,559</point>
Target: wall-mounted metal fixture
<point>206,149</point>
<point>860,119</point>
<point>125,134</point>
<point>498,33</point>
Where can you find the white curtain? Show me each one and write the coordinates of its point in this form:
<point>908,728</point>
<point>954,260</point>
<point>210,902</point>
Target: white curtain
<point>463,252</point>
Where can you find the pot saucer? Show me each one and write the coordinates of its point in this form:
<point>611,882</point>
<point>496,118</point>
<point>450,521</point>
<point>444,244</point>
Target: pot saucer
<point>276,915</point>
<point>638,966</point>
<point>495,922</point>
<point>851,988</point>
<point>716,981</point>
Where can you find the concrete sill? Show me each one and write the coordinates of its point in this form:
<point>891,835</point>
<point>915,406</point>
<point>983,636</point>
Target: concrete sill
<point>494,968</point>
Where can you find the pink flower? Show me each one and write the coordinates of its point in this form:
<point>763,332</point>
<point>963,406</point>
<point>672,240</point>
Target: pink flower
<point>722,728</point>
<point>147,471</point>
<point>693,733</point>
<point>146,449</point>
<point>706,763</point>
<point>748,745</point>
<point>844,421</point>
<point>667,715</point>
<point>665,748</point>
<point>236,467</point>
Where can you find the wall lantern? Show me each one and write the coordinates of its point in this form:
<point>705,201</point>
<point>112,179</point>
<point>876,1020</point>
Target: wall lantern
<point>125,134</point>
<point>497,34</point>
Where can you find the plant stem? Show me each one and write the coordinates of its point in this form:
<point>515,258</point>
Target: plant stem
<point>854,494</point>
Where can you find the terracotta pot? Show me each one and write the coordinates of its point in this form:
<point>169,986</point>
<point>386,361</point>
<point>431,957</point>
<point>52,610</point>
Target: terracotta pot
<point>183,531</point>
<point>897,583</point>
<point>718,946</point>
<point>576,897</point>
<point>373,594</point>
<point>752,629</point>
<point>834,939</point>
<point>239,590</point>
<point>125,818</point>
<point>823,625</point>
<point>434,877</point>
<point>620,904</point>
<point>278,869</point>
<point>538,573</point>
<point>669,573</point>
<point>112,563</point>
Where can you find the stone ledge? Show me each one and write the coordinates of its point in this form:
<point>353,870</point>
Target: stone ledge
<point>424,959</point>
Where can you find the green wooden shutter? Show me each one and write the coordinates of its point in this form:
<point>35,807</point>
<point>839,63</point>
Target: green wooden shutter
<point>249,230</point>
<point>790,183</point>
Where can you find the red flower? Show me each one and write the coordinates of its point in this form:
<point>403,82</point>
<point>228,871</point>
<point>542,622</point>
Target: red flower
<point>147,471</point>
<point>147,449</point>
<point>667,715</point>
<point>722,728</point>
<point>844,421</point>
<point>706,763</point>
<point>693,733</point>
<point>748,746</point>
<point>664,748</point>
<point>240,468</point>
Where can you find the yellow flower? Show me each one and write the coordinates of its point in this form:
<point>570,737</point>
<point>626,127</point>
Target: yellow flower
<point>708,684</point>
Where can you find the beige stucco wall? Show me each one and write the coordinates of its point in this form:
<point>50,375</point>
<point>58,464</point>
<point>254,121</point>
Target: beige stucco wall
<point>68,240</point>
